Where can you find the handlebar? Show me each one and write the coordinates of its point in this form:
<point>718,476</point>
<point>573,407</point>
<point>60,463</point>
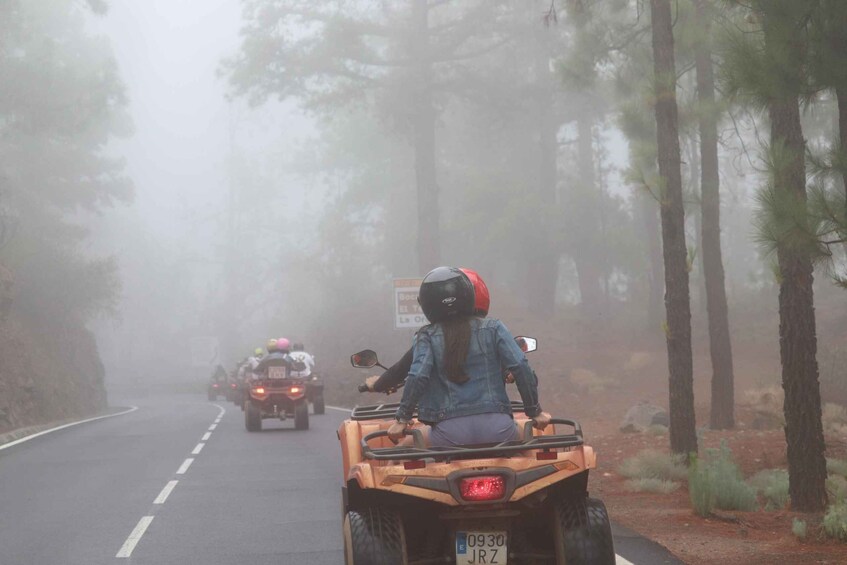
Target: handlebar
<point>577,429</point>
<point>363,388</point>
<point>420,443</point>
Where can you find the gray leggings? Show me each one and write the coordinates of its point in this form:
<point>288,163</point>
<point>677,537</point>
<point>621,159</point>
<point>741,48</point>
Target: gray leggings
<point>471,430</point>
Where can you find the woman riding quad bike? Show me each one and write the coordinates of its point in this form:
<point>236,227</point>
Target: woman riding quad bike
<point>479,489</point>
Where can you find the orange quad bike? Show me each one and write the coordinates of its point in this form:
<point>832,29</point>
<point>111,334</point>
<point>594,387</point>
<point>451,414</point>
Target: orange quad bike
<point>518,502</point>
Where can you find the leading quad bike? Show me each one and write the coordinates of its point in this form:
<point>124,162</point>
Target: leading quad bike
<point>276,395</point>
<point>518,502</point>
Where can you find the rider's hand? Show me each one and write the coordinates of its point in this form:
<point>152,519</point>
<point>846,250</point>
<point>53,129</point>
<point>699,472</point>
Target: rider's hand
<point>395,432</point>
<point>542,420</point>
<point>509,377</point>
<point>371,381</point>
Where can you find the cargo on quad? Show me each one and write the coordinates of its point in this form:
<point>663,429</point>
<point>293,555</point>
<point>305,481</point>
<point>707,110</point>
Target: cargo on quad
<point>523,501</point>
<point>276,396</point>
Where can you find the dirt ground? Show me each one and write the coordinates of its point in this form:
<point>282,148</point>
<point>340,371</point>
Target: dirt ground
<point>608,384</point>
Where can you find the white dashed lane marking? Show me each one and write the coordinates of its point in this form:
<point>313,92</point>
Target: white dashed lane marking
<point>184,467</point>
<point>166,492</point>
<point>134,537</point>
<point>206,436</point>
<point>198,448</point>
<point>212,427</point>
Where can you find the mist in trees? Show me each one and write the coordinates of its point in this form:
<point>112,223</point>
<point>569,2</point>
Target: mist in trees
<point>662,177</point>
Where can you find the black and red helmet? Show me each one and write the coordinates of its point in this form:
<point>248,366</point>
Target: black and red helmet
<point>446,292</point>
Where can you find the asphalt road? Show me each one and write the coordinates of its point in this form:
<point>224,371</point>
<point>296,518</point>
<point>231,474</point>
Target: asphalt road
<point>122,490</point>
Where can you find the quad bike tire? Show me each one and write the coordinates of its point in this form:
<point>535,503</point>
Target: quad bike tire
<point>318,405</point>
<point>252,418</point>
<point>374,536</point>
<point>301,416</point>
<point>582,532</point>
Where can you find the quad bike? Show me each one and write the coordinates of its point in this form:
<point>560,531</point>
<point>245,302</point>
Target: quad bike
<point>518,502</point>
<point>278,397</point>
<point>214,389</point>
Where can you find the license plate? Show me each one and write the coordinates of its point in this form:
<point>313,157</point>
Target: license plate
<point>481,548</point>
<point>276,372</point>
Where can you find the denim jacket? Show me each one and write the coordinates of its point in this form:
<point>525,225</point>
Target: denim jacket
<point>492,348</point>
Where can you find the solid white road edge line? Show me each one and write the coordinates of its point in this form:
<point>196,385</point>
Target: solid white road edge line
<point>198,448</point>
<point>618,559</point>
<point>134,537</point>
<point>184,467</point>
<point>166,492</point>
<point>206,436</point>
<point>43,432</point>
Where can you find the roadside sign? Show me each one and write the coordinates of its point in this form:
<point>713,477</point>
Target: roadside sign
<point>204,351</point>
<point>408,313</point>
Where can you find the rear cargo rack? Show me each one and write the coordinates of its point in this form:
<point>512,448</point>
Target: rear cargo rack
<point>420,451</point>
<point>389,409</point>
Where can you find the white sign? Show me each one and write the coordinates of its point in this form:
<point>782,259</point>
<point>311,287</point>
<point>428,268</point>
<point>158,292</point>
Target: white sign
<point>204,351</point>
<point>408,313</point>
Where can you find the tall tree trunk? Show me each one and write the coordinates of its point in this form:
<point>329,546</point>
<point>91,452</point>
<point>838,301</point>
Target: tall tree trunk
<point>655,282</point>
<point>429,240</point>
<point>587,252</point>
<point>722,414</point>
<point>677,300</point>
<point>841,96</point>
<point>542,267</point>
<point>797,334</point>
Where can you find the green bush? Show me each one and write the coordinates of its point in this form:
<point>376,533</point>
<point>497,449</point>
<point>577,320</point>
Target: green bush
<point>652,464</point>
<point>836,467</point>
<point>715,482</point>
<point>657,486</point>
<point>836,488</point>
<point>798,528</point>
<point>835,520</point>
<point>772,485</point>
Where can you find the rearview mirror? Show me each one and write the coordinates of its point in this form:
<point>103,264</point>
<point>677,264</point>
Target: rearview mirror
<point>527,344</point>
<point>364,359</point>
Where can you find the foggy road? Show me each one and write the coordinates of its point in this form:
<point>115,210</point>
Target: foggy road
<point>169,483</point>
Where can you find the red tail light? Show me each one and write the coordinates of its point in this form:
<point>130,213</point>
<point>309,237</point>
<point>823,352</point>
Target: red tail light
<point>482,488</point>
<point>214,386</point>
<point>233,385</point>
<point>546,455</point>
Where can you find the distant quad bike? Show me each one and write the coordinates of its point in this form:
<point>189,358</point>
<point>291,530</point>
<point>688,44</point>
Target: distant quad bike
<point>214,389</point>
<point>276,396</point>
<point>315,394</point>
<point>518,502</point>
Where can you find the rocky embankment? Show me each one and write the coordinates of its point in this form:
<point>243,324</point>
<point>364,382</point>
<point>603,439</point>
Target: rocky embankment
<point>46,373</point>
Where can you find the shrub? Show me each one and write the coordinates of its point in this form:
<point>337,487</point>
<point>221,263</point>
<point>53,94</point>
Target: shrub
<point>835,520</point>
<point>798,528</point>
<point>657,430</point>
<point>652,464</point>
<point>836,488</point>
<point>772,485</point>
<point>834,418</point>
<point>657,486</point>
<point>715,482</point>
<point>836,467</point>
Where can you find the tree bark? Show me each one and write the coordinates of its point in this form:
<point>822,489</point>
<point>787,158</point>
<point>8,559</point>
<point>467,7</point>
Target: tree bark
<point>683,435</point>
<point>655,282</point>
<point>429,240</point>
<point>797,332</point>
<point>722,415</point>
